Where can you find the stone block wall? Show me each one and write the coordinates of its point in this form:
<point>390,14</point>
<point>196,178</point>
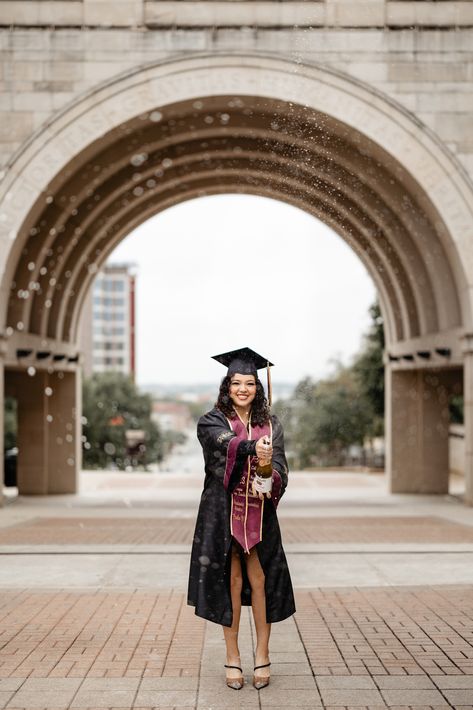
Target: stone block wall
<point>418,53</point>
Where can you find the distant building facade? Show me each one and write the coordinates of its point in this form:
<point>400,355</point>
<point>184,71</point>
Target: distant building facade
<point>171,416</point>
<point>108,322</point>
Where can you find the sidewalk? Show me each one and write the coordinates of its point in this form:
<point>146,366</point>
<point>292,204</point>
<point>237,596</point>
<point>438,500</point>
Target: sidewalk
<point>93,610</point>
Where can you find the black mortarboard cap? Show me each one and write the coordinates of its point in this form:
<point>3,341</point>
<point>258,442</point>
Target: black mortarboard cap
<point>245,361</point>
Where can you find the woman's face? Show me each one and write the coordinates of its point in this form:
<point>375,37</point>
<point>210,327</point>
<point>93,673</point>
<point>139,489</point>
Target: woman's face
<point>242,390</point>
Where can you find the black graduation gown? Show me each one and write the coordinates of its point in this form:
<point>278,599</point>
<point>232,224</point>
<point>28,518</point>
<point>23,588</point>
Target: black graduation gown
<point>209,573</point>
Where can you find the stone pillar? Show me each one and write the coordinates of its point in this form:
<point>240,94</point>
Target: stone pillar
<point>64,440</point>
<point>49,431</point>
<point>468,417</point>
<point>417,421</point>
<point>32,431</point>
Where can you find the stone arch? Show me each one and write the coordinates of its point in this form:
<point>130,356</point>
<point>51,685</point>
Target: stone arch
<point>171,131</point>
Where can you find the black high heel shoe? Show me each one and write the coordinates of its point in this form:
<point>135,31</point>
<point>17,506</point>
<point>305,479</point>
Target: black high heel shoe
<point>261,681</point>
<point>235,683</point>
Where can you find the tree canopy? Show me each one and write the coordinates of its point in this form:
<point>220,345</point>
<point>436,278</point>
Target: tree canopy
<point>368,369</point>
<point>114,409</point>
<point>324,418</point>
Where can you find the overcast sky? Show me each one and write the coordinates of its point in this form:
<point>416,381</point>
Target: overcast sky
<point>219,273</point>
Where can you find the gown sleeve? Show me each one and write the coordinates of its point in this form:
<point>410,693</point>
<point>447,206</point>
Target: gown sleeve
<point>280,468</point>
<point>225,453</point>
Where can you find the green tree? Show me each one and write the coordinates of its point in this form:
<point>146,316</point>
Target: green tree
<point>326,418</point>
<point>456,409</point>
<point>368,369</point>
<point>112,405</point>
<point>10,423</point>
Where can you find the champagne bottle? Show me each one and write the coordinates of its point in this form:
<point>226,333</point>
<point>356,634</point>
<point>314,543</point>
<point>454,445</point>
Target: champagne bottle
<point>264,474</point>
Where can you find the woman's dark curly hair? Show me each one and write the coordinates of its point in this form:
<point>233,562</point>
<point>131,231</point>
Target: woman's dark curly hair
<point>259,407</point>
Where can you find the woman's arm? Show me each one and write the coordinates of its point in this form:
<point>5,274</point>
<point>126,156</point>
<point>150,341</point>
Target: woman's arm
<point>226,453</point>
<point>280,468</point>
<point>213,432</point>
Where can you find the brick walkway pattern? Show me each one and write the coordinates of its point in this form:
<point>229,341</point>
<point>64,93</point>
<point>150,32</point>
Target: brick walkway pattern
<point>154,530</point>
<point>392,647</point>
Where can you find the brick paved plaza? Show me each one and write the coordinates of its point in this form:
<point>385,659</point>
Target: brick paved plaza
<point>93,610</point>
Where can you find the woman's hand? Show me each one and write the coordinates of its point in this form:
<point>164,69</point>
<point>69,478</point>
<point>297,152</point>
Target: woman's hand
<point>257,493</point>
<point>264,450</point>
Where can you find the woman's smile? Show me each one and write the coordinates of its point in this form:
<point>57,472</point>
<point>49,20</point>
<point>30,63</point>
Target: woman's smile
<point>242,389</point>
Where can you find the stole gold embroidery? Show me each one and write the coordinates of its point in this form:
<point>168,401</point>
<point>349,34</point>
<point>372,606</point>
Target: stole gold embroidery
<point>247,485</point>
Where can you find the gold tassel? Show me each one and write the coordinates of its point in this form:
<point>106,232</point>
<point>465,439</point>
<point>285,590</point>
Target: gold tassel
<point>270,394</point>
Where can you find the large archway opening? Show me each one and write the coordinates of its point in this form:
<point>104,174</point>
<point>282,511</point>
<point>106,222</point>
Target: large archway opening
<point>233,144</point>
<point>217,270</point>
<point>208,275</point>
<point>247,142</point>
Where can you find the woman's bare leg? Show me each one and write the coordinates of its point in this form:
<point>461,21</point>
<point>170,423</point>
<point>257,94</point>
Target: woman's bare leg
<point>231,632</point>
<point>258,603</point>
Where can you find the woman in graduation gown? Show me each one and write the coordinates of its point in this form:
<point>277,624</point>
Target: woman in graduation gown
<point>237,554</point>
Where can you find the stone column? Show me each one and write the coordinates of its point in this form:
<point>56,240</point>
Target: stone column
<point>64,449</point>
<point>468,415</point>
<point>417,421</point>
<point>32,432</point>
<point>49,431</point>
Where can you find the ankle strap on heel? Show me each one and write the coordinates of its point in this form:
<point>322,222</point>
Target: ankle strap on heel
<point>237,667</point>
<point>265,666</point>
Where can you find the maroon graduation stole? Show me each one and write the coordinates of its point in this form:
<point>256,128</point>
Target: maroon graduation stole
<point>246,516</point>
